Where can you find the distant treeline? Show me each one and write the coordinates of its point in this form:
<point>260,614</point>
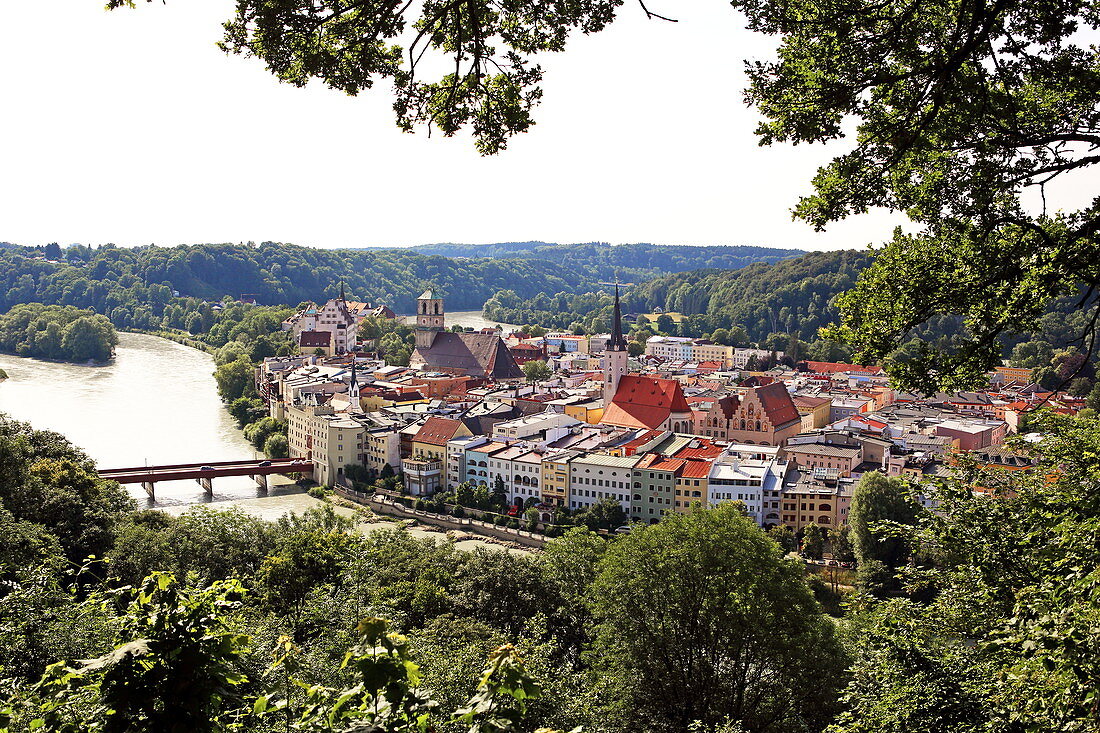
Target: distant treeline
<point>131,285</point>
<point>792,295</point>
<point>626,262</point>
<point>57,332</point>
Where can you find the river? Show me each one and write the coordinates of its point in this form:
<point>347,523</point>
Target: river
<point>155,403</point>
<point>467,319</point>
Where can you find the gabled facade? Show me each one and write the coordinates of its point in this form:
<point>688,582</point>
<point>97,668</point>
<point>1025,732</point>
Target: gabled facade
<point>759,416</point>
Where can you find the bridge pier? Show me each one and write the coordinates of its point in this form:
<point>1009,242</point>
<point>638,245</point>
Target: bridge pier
<point>261,480</point>
<point>148,486</point>
<point>207,484</point>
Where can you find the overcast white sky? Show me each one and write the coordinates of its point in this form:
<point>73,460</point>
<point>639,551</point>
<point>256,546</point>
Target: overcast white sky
<point>131,127</point>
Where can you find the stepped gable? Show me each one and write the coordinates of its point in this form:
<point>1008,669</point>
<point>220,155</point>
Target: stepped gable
<point>777,404</point>
<point>473,354</point>
<point>645,402</point>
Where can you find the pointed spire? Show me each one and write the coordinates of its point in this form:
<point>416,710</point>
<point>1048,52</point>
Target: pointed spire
<point>342,292</point>
<point>617,342</point>
<point>353,388</point>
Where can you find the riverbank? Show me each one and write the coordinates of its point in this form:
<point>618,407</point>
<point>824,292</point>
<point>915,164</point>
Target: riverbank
<point>270,508</point>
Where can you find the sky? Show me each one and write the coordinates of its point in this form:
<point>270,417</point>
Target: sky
<point>132,127</point>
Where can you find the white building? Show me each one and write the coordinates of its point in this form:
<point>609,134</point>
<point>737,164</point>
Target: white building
<point>328,439</point>
<point>669,348</point>
<point>741,357</point>
<point>752,475</point>
<point>540,427</point>
<point>597,476</point>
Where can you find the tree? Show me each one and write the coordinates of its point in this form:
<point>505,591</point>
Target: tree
<point>784,537</point>
<point>1093,399</point>
<point>234,379</point>
<point>494,81</point>
<point>840,543</point>
<point>537,371</point>
<point>693,637</point>
<point>244,409</point>
<point>877,499</point>
<point>635,348</point>
<point>176,668</point>
<point>606,513</point>
<point>500,492</point>
<point>83,341</point>
<point>813,542</point>
<point>276,446</point>
<point>961,114</point>
<point>1011,579</point>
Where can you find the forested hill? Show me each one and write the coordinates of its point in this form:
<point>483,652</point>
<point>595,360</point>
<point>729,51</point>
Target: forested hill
<point>109,277</point>
<point>628,262</point>
<point>764,299</point>
<point>788,296</point>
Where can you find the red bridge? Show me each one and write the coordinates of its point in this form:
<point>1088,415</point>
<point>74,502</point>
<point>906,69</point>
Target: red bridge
<point>205,473</point>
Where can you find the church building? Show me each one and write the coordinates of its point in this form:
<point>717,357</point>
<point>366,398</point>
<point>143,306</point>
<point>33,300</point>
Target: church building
<point>633,401</point>
<point>482,355</point>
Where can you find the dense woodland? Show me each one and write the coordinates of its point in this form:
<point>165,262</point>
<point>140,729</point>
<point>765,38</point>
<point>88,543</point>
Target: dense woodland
<point>626,263</point>
<point>133,286</point>
<point>64,333</point>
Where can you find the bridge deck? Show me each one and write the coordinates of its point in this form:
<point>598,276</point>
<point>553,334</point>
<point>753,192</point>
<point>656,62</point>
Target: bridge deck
<point>179,472</point>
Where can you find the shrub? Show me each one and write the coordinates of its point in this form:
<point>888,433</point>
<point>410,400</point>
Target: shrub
<point>458,512</point>
<point>318,492</point>
<point>419,505</point>
<point>501,520</point>
<point>513,524</point>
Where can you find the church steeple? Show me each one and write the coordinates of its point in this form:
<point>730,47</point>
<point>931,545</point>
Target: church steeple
<point>617,342</point>
<point>615,356</point>
<point>353,388</point>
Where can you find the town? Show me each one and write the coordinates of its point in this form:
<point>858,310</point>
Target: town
<point>689,422</point>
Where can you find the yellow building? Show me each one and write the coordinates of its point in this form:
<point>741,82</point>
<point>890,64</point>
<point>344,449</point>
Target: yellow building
<point>424,471</point>
<point>330,440</point>
<point>692,486</point>
<point>701,352</point>
<point>555,477</point>
<point>590,412</point>
<point>813,410</point>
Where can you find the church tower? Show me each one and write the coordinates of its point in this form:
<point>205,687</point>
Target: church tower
<point>429,319</point>
<point>615,357</point>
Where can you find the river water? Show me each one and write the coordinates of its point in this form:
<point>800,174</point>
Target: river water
<point>155,403</point>
<point>467,319</point>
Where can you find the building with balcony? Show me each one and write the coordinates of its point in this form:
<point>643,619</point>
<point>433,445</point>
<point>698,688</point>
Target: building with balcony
<point>422,476</point>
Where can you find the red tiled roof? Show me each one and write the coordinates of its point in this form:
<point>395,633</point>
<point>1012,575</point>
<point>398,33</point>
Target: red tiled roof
<point>631,447</point>
<point>437,431</point>
<point>657,462</point>
<point>645,402</point>
<point>829,367</point>
<point>777,404</point>
<point>706,449</point>
<point>696,469</point>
